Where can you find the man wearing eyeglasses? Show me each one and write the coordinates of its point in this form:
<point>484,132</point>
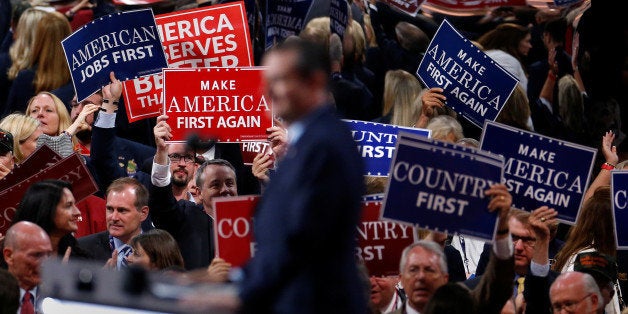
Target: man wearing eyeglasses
<point>576,293</point>
<point>182,169</point>
<point>530,237</point>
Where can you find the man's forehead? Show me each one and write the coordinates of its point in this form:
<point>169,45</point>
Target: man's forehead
<point>517,226</point>
<point>420,256</point>
<point>179,148</point>
<point>121,196</point>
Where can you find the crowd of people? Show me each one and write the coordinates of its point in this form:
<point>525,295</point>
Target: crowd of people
<point>154,205</point>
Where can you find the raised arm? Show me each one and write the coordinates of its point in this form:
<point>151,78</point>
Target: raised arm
<point>610,156</point>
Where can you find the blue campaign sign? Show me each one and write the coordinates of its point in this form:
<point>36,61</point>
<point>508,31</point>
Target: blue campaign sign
<point>125,42</point>
<point>285,18</point>
<point>338,16</point>
<point>376,143</point>
<point>541,170</point>
<point>619,188</point>
<point>476,86</point>
<point>440,186</point>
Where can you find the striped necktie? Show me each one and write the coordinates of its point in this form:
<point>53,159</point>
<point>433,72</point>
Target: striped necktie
<point>125,251</point>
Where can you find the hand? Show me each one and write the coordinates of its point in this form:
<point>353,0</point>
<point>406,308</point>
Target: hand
<point>501,200</point>
<point>608,149</point>
<point>278,138</point>
<point>431,99</point>
<point>4,170</point>
<point>540,220</point>
<point>113,90</point>
<point>162,132</point>
<point>261,165</point>
<point>80,124</point>
<point>218,270</point>
<point>112,263</point>
<point>87,110</point>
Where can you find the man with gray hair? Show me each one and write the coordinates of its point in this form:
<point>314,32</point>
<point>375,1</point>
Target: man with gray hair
<point>577,293</point>
<point>423,266</point>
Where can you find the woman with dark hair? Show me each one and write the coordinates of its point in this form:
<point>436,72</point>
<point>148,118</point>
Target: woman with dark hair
<point>508,44</point>
<point>593,231</point>
<point>51,205</point>
<point>156,250</point>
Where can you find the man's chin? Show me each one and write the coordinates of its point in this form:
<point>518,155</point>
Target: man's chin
<point>179,182</point>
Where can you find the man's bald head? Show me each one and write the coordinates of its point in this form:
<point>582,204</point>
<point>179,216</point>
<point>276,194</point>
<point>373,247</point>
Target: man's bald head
<point>26,245</point>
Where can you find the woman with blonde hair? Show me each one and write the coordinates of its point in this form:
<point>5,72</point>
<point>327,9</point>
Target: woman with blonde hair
<point>55,122</point>
<point>25,131</point>
<point>20,50</point>
<point>50,111</point>
<point>516,111</point>
<point>46,69</point>
<point>401,89</point>
<point>17,56</point>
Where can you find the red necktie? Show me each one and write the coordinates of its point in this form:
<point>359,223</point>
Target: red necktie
<point>27,304</point>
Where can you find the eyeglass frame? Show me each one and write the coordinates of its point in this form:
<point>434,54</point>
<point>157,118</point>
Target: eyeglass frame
<point>177,158</point>
<point>570,306</point>
<point>527,241</point>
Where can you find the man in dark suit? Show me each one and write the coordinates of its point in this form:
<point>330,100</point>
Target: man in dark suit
<point>306,220</point>
<point>189,223</point>
<point>127,207</point>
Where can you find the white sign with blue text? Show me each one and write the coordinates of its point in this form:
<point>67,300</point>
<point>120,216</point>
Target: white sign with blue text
<point>440,186</point>
<point>475,86</point>
<point>541,170</point>
<point>126,43</point>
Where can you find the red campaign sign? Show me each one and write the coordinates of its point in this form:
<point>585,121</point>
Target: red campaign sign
<point>214,36</point>
<point>380,242</point>
<point>39,160</point>
<point>407,6</point>
<point>250,149</point>
<point>233,228</point>
<point>70,169</point>
<point>465,7</point>
<point>225,104</point>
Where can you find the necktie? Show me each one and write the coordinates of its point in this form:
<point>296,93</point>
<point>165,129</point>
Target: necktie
<point>125,251</point>
<point>27,304</point>
<point>520,286</point>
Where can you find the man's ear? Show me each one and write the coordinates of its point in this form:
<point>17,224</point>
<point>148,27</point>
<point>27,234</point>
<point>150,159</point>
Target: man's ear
<point>144,213</point>
<point>8,255</point>
<point>595,301</point>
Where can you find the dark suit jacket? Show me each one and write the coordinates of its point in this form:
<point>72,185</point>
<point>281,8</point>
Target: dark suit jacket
<point>305,227</point>
<point>187,223</point>
<point>536,292</point>
<point>97,245</point>
<point>455,265</point>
